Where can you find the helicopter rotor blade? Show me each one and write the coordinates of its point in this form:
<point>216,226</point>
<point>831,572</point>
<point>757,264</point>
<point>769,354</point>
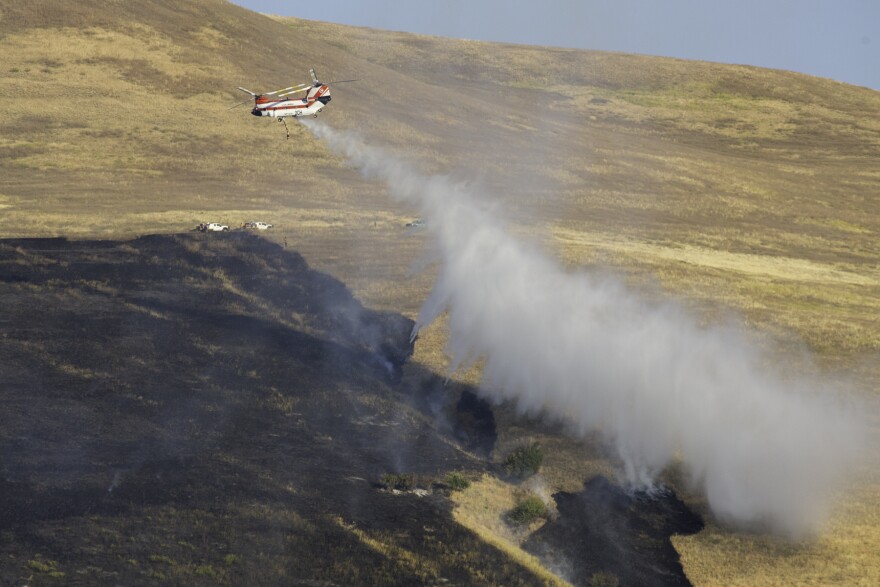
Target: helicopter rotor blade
<point>293,92</point>
<point>294,88</point>
<point>239,104</point>
<point>341,81</point>
<point>246,91</point>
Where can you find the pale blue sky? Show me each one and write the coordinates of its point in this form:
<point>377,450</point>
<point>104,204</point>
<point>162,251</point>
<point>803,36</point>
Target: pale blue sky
<point>839,39</point>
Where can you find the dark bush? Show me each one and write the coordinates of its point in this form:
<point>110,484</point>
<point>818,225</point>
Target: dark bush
<point>457,481</point>
<point>401,481</point>
<point>524,461</point>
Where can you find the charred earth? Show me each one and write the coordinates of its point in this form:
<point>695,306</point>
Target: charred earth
<point>205,409</point>
<point>605,531</point>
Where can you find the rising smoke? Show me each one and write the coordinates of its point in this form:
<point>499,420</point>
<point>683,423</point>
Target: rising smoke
<point>658,387</point>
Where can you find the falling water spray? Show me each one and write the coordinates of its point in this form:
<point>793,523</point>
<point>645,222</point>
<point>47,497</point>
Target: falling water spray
<point>648,378</point>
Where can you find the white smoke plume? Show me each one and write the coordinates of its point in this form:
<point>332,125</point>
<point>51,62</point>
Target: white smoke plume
<point>658,387</point>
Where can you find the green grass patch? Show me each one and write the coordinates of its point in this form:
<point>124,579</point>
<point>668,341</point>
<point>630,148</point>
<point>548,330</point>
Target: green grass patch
<point>528,510</point>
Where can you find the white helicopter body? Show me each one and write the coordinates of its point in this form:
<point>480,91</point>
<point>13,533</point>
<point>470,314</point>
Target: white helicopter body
<point>278,105</point>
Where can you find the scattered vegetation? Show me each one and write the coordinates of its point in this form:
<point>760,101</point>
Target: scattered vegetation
<point>524,461</point>
<point>205,571</point>
<point>400,481</point>
<point>46,566</point>
<point>604,579</point>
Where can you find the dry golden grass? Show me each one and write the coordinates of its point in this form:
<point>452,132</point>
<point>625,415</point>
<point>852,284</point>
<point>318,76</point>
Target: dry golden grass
<point>776,293</point>
<point>846,554</point>
<point>482,508</point>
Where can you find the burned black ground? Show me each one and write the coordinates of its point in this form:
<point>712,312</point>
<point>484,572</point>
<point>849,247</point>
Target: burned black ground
<point>206,409</point>
<point>605,531</point>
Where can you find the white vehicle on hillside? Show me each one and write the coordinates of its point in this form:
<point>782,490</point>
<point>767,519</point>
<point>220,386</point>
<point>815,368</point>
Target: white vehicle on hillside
<point>257,225</point>
<point>216,227</point>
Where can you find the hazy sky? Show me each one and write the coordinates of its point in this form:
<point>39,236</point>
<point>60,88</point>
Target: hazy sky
<point>839,39</point>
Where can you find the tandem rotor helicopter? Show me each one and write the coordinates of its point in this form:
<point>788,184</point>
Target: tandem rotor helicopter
<point>278,105</point>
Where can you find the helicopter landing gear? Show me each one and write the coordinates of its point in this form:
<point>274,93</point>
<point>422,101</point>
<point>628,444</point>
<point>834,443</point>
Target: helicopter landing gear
<point>285,126</point>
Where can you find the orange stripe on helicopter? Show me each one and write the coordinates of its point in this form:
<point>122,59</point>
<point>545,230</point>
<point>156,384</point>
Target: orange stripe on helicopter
<point>289,107</point>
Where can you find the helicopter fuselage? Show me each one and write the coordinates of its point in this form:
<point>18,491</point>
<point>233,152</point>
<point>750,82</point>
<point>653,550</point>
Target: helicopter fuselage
<point>317,97</point>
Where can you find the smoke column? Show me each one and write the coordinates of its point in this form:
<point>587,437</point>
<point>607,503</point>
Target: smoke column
<point>647,377</point>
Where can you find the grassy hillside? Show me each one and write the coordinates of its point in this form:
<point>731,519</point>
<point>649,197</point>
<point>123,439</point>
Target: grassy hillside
<point>735,188</point>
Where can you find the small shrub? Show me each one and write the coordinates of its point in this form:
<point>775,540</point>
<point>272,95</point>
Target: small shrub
<point>604,579</point>
<point>457,481</point>
<point>38,564</point>
<point>205,571</point>
<point>524,461</point>
<point>230,559</point>
<point>401,481</point>
<point>528,510</point>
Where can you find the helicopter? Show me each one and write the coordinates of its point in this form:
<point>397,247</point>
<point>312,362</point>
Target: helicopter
<point>279,105</point>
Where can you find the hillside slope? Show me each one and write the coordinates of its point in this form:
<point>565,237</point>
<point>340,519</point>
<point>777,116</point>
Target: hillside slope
<point>131,133</point>
<point>204,410</point>
<point>731,187</point>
